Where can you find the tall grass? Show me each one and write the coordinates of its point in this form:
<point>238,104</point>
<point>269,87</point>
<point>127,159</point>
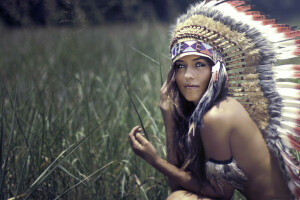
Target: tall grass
<point>65,114</point>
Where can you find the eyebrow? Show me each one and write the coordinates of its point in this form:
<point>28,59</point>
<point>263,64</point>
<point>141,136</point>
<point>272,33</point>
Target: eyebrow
<point>198,58</point>
<point>195,59</point>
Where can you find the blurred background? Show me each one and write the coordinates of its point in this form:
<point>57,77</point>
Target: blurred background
<point>75,77</point>
<point>18,13</point>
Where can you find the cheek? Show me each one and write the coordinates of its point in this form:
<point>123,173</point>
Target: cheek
<point>179,82</point>
<point>205,78</point>
<point>178,78</point>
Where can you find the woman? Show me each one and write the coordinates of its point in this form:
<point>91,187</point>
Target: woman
<point>213,144</point>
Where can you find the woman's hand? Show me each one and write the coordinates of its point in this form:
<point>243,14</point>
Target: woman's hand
<point>165,100</point>
<point>141,146</point>
<point>179,178</point>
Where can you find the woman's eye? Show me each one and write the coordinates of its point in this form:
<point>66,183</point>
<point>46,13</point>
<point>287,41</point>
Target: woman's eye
<point>200,64</point>
<point>179,66</point>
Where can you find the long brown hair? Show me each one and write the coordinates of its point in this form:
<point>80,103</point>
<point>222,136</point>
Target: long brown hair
<point>190,156</point>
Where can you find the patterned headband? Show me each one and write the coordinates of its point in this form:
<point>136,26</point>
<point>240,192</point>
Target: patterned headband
<point>191,46</point>
<point>194,47</point>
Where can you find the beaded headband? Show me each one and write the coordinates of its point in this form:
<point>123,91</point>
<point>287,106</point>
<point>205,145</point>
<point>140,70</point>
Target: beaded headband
<point>194,47</point>
<point>191,47</point>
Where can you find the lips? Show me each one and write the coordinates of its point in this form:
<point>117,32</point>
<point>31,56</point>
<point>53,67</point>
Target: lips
<point>191,86</point>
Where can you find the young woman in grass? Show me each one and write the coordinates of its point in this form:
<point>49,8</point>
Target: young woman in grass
<point>217,141</point>
<point>229,139</point>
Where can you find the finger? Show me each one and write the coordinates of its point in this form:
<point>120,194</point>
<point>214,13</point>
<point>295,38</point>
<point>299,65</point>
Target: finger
<point>139,130</point>
<point>135,145</point>
<point>132,135</point>
<point>163,86</point>
<point>142,140</point>
<point>132,139</point>
<point>133,131</point>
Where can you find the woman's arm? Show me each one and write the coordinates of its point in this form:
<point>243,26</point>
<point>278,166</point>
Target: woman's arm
<point>143,148</point>
<point>171,155</point>
<point>265,179</point>
<point>166,110</point>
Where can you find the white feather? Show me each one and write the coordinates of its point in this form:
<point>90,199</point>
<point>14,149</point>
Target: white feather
<point>291,127</point>
<point>290,117</point>
<point>287,43</point>
<point>286,55</point>
<point>284,74</point>
<point>284,131</point>
<point>289,93</point>
<point>291,103</point>
<point>292,110</point>
<point>267,31</point>
<point>286,85</point>
<point>284,67</point>
<point>286,141</point>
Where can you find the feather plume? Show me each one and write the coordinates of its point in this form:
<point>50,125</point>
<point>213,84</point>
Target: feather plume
<point>251,44</point>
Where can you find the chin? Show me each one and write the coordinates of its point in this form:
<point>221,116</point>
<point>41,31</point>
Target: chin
<point>193,100</point>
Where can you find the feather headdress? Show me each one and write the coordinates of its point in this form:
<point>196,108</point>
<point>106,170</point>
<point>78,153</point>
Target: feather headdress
<point>252,48</point>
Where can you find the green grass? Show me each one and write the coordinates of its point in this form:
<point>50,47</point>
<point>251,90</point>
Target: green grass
<point>65,113</point>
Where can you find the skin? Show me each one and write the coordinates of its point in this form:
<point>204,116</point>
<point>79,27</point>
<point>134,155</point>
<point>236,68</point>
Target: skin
<point>192,77</point>
<point>236,135</point>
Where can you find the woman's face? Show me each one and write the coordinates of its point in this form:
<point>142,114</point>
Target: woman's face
<point>192,75</point>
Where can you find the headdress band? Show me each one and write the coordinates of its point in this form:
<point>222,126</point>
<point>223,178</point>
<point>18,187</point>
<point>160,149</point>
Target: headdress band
<point>191,47</point>
<point>194,47</point>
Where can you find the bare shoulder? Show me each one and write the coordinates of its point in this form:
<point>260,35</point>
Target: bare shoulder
<point>225,114</point>
<point>246,138</point>
<point>218,124</point>
<point>229,119</point>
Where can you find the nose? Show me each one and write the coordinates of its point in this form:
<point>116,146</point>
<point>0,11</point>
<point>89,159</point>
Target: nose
<point>189,73</point>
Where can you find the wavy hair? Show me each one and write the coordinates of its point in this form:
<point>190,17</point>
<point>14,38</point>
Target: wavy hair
<point>188,147</point>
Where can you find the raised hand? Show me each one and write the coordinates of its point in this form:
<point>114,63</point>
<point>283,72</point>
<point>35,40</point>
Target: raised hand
<point>141,146</point>
<point>165,100</point>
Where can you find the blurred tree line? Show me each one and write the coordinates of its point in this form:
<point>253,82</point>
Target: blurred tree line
<point>93,12</point>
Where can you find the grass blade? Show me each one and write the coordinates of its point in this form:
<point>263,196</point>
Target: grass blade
<point>44,174</point>
<point>69,173</point>
<point>86,178</point>
<point>1,137</point>
<point>142,124</point>
<point>24,164</point>
<point>138,182</point>
<point>148,113</point>
<point>122,186</point>
<point>13,105</point>
<point>145,55</point>
<point>48,171</point>
<point>161,74</point>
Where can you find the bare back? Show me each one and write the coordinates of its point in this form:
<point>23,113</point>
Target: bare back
<point>227,132</point>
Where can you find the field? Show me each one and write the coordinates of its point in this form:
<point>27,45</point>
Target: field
<point>66,115</point>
